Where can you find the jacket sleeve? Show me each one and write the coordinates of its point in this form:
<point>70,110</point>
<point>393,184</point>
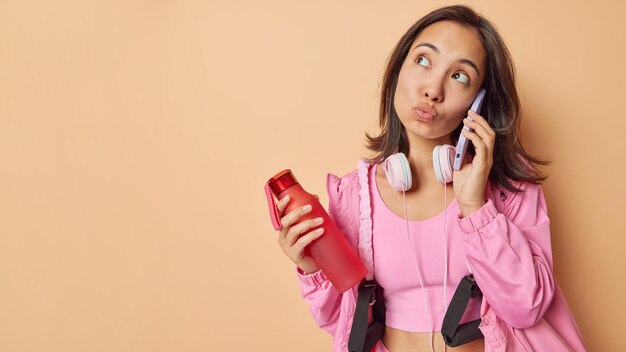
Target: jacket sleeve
<point>324,300</point>
<point>511,256</point>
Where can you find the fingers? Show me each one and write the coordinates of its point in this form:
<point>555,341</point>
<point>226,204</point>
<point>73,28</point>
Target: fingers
<point>483,138</point>
<point>293,237</point>
<point>479,123</point>
<point>288,234</point>
<point>479,145</point>
<point>305,240</point>
<point>281,204</point>
<point>482,130</point>
<point>293,240</point>
<point>297,230</point>
<point>294,215</point>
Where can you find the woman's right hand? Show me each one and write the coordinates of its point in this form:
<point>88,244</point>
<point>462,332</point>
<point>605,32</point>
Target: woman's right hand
<point>294,239</point>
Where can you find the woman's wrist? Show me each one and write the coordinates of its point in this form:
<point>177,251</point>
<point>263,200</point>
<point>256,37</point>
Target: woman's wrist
<point>468,208</point>
<point>308,268</point>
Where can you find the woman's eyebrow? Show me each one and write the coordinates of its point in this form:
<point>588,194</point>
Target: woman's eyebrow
<point>470,63</point>
<point>429,45</point>
<point>463,61</point>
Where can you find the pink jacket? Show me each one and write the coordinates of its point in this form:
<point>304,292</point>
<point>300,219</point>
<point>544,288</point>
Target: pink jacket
<point>507,243</point>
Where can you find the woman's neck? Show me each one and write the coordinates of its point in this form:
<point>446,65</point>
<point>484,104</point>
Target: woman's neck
<point>421,158</point>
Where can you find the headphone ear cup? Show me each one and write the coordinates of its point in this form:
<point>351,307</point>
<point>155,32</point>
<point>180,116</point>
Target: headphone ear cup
<point>443,157</point>
<point>398,172</point>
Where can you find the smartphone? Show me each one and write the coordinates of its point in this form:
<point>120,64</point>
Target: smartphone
<point>461,146</point>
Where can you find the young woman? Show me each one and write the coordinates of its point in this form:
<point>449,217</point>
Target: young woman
<point>490,219</point>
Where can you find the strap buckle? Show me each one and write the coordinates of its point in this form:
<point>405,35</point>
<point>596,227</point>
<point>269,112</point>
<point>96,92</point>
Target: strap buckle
<point>371,285</point>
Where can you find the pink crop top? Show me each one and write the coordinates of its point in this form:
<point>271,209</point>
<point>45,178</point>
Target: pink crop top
<point>395,271</point>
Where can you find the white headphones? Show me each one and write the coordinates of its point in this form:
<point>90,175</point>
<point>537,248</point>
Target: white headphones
<point>398,171</point>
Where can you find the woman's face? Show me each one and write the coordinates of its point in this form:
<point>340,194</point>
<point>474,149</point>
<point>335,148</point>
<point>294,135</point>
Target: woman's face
<point>438,80</point>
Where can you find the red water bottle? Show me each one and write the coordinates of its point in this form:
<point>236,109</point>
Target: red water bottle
<point>331,252</point>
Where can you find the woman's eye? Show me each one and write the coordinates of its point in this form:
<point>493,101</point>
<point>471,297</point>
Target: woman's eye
<point>461,77</point>
<point>422,61</point>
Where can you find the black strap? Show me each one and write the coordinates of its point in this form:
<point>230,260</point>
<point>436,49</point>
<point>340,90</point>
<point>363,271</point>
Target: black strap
<point>453,333</point>
<point>362,337</point>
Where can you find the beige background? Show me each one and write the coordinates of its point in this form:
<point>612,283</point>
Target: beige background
<point>136,136</point>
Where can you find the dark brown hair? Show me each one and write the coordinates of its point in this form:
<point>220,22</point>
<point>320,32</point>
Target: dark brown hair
<point>501,106</point>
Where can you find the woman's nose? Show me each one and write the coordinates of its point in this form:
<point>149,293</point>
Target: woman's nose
<point>433,96</point>
<point>433,90</point>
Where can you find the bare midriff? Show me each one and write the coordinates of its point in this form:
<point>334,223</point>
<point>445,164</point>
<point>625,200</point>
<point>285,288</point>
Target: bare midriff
<point>404,341</point>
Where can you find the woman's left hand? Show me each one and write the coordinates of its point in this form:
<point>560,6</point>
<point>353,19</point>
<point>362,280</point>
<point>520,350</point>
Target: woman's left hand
<point>469,182</point>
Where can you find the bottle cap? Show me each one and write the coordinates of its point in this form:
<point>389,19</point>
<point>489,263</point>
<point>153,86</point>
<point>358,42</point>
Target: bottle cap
<point>280,182</point>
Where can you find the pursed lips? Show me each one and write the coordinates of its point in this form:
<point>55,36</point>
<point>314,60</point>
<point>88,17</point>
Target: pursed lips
<point>425,112</point>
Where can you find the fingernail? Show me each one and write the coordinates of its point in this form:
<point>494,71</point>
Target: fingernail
<point>320,230</point>
<point>307,207</point>
<point>318,220</point>
<point>285,198</point>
